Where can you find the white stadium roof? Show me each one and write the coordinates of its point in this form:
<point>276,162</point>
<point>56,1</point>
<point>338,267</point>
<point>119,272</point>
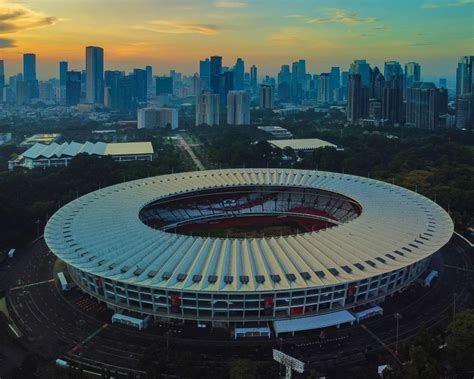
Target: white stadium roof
<point>102,233</point>
<point>301,144</point>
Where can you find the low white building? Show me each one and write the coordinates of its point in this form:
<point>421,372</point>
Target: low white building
<point>59,155</point>
<point>301,145</point>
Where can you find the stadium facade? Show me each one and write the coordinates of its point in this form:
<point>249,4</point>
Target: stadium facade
<point>243,246</point>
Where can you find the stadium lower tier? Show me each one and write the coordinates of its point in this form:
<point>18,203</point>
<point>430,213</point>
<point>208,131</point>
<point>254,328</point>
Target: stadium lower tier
<point>240,308</point>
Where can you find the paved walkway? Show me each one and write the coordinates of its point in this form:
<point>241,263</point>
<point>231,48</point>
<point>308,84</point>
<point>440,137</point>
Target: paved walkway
<point>183,144</point>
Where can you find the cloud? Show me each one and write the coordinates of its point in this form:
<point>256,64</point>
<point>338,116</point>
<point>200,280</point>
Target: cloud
<point>6,42</point>
<point>456,4</point>
<point>16,17</point>
<point>295,16</point>
<point>230,4</point>
<point>343,17</point>
<point>178,27</point>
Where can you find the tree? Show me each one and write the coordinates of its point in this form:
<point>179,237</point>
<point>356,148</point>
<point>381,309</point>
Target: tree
<point>461,342</point>
<point>243,369</point>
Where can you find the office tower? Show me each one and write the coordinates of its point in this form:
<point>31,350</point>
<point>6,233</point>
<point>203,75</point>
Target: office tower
<point>392,100</point>
<point>95,75</point>
<point>150,83</point>
<point>392,68</point>
<point>196,85</point>
<point>63,73</point>
<point>425,102</point>
<point>465,75</point>
<point>301,71</point>
<point>362,68</point>
<point>284,83</point>
<point>266,96</point>
<point>412,73</point>
<point>377,82</point>
<point>465,111</point>
<point>140,91</point>
<point>205,74</point>
<point>314,87</point>
<point>73,88</point>
<point>29,67</point>
<point>324,89</point>
<point>46,91</point>
<point>344,84</point>
<point>357,99</point>
<point>216,71</point>
<point>335,82</point>
<point>2,79</point>
<point>21,92</point>
<point>238,108</point>
<point>164,85</point>
<point>443,83</point>
<point>253,78</point>
<point>226,85</point>
<point>123,98</point>
<point>207,109</point>
<point>239,71</point>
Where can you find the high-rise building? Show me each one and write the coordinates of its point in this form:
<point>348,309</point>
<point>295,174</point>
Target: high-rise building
<point>205,74</point>
<point>149,81</point>
<point>301,72</point>
<point>465,111</point>
<point>238,108</point>
<point>425,103</point>
<point>164,85</point>
<point>216,71</point>
<point>253,78</point>
<point>324,89</point>
<point>392,68</point>
<point>377,83</point>
<point>94,75</point>
<point>239,71</point>
<point>266,96</point>
<point>73,88</point>
<point>412,73</point>
<point>29,67</point>
<point>362,68</point>
<point>443,83</point>
<point>392,100</point>
<point>63,73</point>
<point>157,118</point>
<point>335,82</point>
<point>357,99</point>
<point>284,83</point>
<point>207,109</point>
<point>2,79</point>
<point>140,91</point>
<point>465,75</point>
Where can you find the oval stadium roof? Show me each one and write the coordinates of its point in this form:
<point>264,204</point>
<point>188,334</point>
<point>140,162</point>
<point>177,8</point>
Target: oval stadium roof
<point>101,233</point>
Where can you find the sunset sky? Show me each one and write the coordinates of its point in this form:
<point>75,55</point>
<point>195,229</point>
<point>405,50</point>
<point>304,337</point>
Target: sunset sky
<point>177,33</point>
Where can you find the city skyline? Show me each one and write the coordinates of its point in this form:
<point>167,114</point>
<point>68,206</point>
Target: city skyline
<point>176,35</point>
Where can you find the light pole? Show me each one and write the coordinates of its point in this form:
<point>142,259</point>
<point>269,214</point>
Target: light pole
<point>398,316</point>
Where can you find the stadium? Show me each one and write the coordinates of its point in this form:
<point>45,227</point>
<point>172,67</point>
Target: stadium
<point>246,247</point>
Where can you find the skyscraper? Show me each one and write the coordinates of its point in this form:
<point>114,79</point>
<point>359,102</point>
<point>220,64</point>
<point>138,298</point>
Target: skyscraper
<point>94,75</point>
<point>216,71</point>
<point>62,73</point>
<point>425,102</point>
<point>253,78</point>
<point>29,67</point>
<point>465,75</point>
<point>412,73</point>
<point>324,89</point>
<point>392,68</point>
<point>392,100</point>
<point>207,109</point>
<point>335,82</point>
<point>164,85</point>
<point>357,99</point>
<point>140,85</point>
<point>226,85</point>
<point>362,68</point>
<point>238,108</point>
<point>377,82</point>
<point>2,79</point>
<point>205,74</point>
<point>266,96</point>
<point>149,80</point>
<point>239,71</point>
<point>73,87</point>
<point>284,82</point>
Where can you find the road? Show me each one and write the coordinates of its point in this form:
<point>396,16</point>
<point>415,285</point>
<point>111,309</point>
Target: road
<point>184,145</point>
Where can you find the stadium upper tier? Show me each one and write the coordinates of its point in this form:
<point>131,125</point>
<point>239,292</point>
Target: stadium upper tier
<point>378,228</point>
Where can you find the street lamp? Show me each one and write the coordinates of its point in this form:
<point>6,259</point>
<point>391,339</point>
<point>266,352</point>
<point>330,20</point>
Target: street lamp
<point>398,316</point>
